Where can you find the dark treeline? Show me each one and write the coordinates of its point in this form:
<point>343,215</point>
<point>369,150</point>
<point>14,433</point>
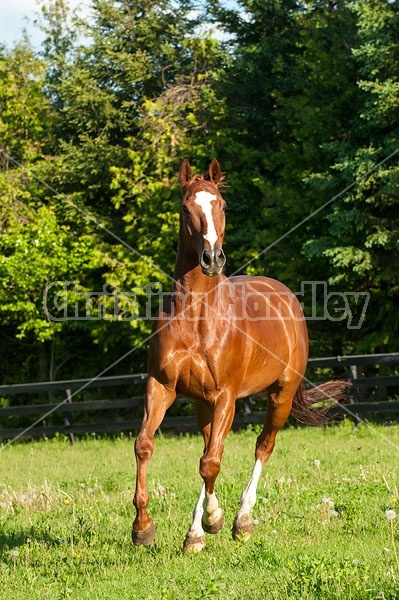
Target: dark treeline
<point>298,101</point>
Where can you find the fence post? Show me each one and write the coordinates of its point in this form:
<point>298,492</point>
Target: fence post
<point>355,397</point>
<point>68,416</point>
<point>353,375</point>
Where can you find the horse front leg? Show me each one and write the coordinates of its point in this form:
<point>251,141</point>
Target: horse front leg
<point>158,400</point>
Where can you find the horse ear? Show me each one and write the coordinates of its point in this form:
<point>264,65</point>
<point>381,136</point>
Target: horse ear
<point>185,174</point>
<point>215,172</point>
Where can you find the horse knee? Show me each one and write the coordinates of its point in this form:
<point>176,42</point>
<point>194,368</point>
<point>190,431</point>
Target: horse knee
<point>140,500</point>
<point>143,447</point>
<point>209,467</point>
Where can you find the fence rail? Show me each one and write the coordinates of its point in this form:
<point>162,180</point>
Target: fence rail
<point>70,405</point>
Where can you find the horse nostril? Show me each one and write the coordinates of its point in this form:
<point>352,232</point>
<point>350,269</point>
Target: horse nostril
<point>206,258</point>
<point>213,259</point>
<point>220,257</point>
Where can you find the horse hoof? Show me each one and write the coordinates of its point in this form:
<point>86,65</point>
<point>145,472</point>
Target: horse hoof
<point>242,528</point>
<point>214,527</point>
<point>194,545</point>
<point>143,538</point>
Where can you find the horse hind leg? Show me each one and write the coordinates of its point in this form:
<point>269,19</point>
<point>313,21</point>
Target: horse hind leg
<point>195,538</point>
<point>206,519</point>
<point>278,409</point>
<point>215,422</point>
<point>222,420</point>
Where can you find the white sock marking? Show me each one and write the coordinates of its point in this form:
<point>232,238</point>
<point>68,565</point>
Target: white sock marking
<point>204,201</point>
<point>212,512</point>
<point>248,497</point>
<point>210,503</point>
<point>196,525</point>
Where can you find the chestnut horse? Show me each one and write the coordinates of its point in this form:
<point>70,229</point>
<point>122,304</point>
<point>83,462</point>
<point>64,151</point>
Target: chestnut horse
<point>216,340</point>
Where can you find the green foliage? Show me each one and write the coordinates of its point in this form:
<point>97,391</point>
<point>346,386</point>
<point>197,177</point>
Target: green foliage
<point>146,191</point>
<point>297,81</point>
<point>123,107</point>
<point>37,245</point>
<point>36,250</point>
<point>297,101</point>
<point>26,116</point>
<point>360,239</point>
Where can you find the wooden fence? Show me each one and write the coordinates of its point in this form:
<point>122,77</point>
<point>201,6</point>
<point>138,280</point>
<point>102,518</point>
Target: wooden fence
<point>369,395</point>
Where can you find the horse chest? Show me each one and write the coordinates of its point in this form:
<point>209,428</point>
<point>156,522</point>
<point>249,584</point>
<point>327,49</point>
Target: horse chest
<point>198,376</point>
<point>191,372</point>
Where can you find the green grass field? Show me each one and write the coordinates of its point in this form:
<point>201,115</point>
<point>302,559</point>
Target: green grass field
<point>321,526</point>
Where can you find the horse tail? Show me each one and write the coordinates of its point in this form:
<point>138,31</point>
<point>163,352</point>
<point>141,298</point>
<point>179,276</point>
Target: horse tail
<point>311,406</point>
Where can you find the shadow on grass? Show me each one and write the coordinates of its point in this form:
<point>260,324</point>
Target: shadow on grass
<point>14,540</point>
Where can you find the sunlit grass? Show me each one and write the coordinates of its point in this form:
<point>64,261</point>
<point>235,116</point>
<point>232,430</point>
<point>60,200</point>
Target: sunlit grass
<point>326,524</point>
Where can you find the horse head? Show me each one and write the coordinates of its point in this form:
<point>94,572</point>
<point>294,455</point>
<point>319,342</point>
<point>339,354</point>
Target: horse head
<point>203,221</point>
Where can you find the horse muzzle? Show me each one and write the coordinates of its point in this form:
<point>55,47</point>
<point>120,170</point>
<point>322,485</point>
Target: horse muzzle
<point>212,261</point>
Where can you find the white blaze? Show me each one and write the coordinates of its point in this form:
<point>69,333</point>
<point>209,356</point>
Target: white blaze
<point>204,201</point>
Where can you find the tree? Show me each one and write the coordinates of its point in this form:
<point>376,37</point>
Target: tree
<point>174,126</point>
<point>297,104</point>
<point>289,89</point>
<point>37,245</point>
<point>360,240</point>
<point>122,98</point>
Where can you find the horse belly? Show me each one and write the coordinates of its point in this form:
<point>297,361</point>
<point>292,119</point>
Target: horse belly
<point>275,331</point>
<point>259,376</point>
<point>269,355</point>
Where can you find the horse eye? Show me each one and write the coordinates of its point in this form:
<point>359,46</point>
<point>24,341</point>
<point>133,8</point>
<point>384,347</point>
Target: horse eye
<point>185,210</point>
<point>224,207</point>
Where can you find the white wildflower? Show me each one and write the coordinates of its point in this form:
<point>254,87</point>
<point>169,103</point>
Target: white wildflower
<point>390,514</point>
<point>328,501</point>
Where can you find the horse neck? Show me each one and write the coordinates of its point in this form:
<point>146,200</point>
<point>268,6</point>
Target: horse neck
<point>188,277</point>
